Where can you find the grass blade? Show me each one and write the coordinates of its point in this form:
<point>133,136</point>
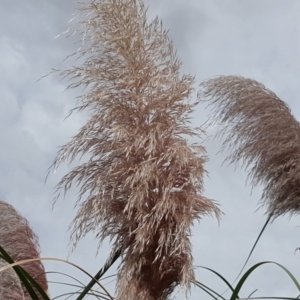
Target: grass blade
<point>207,289</point>
<point>247,274</point>
<point>221,277</point>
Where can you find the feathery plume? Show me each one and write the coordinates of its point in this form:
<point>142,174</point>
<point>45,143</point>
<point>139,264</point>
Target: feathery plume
<point>20,242</point>
<point>10,285</point>
<point>143,183</point>
<point>261,132</point>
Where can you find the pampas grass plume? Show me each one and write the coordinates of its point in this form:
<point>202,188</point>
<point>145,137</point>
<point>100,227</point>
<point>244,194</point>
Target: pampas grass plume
<point>260,132</point>
<point>20,242</point>
<point>143,183</point>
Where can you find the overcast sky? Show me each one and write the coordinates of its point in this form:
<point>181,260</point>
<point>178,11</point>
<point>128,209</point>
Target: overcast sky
<point>252,38</point>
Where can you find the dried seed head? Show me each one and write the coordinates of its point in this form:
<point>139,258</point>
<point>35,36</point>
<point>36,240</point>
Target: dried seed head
<point>10,285</point>
<point>143,183</point>
<point>261,132</point>
<point>20,242</point>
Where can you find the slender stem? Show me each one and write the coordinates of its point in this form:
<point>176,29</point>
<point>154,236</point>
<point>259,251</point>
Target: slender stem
<point>110,261</point>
